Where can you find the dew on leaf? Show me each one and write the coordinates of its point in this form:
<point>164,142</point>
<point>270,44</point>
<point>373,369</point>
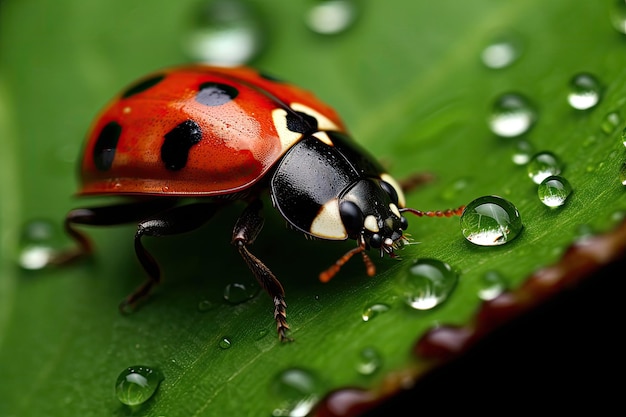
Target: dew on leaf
<point>137,384</point>
<point>490,221</point>
<point>426,283</point>
<point>331,16</point>
<point>38,244</point>
<point>374,310</point>
<point>554,191</point>
<point>543,165</point>
<point>492,285</point>
<point>522,152</point>
<point>585,91</point>
<point>502,51</point>
<point>238,292</point>
<point>611,122</point>
<point>511,115</point>
<point>369,361</point>
<point>297,390</point>
<point>224,343</point>
<point>622,174</point>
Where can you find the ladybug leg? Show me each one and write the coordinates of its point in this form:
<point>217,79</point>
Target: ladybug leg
<point>245,232</point>
<point>176,220</point>
<point>104,216</point>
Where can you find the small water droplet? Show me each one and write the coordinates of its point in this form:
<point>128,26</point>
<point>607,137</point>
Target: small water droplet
<point>618,15</point>
<point>490,221</point>
<point>624,137</point>
<point>622,174</point>
<point>427,283</point>
<point>237,292</point>
<point>226,32</point>
<point>39,243</point>
<point>374,310</point>
<point>369,361</point>
<point>492,285</point>
<point>522,152</point>
<point>502,51</point>
<point>511,115</point>
<point>554,191</point>
<point>543,165</point>
<point>224,343</point>
<point>584,91</point>
<point>206,305</point>
<point>611,122</point>
<point>261,334</point>
<point>330,17</point>
<point>298,391</point>
<point>137,384</point>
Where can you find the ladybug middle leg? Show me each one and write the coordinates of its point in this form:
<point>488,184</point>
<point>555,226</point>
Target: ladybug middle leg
<point>245,232</point>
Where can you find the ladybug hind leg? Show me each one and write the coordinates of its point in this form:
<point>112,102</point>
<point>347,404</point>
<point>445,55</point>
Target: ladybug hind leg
<point>246,230</point>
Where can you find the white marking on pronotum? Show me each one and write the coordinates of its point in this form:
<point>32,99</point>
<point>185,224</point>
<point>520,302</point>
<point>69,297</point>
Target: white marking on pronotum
<point>286,136</point>
<point>323,122</point>
<point>327,223</point>
<point>323,136</point>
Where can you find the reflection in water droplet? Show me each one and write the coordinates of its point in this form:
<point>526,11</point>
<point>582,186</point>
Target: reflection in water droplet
<point>554,191</point>
<point>237,292</point>
<point>137,384</point>
<point>373,310</point>
<point>369,361</point>
<point>543,165</point>
<point>490,221</point>
<point>511,115</point>
<point>331,16</point>
<point>427,283</point>
<point>224,343</point>
<point>502,51</point>
<point>492,285</point>
<point>298,391</point>
<point>522,152</point>
<point>226,32</point>
<point>584,91</point>
<point>618,15</point>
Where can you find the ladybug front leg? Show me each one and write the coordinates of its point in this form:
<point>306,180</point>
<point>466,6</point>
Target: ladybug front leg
<point>245,232</point>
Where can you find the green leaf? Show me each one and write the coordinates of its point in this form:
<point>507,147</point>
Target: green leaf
<point>408,80</point>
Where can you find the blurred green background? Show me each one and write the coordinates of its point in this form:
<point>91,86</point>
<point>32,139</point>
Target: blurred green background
<point>411,82</point>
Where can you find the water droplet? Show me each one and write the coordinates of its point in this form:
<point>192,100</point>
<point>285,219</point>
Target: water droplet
<point>618,15</point>
<point>543,165</point>
<point>226,32</point>
<point>610,122</point>
<point>492,285</point>
<point>374,310</point>
<point>511,115</point>
<point>261,334</point>
<point>490,221</point>
<point>224,343</point>
<point>237,292</point>
<point>331,16</point>
<point>522,152</point>
<point>427,283</point>
<point>298,390</point>
<point>624,137</point>
<point>137,384</point>
<point>584,91</point>
<point>39,242</point>
<point>554,190</point>
<point>622,174</point>
<point>502,51</point>
<point>370,361</point>
<point>206,305</point>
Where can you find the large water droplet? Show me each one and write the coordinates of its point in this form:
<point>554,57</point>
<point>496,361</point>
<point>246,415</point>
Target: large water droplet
<point>427,283</point>
<point>226,32</point>
<point>374,310</point>
<point>492,285</point>
<point>369,361</point>
<point>298,390</point>
<point>584,91</point>
<point>238,292</point>
<point>490,221</point>
<point>511,115</point>
<point>543,165</point>
<point>554,190</point>
<point>137,384</point>
<point>501,51</point>
<point>331,16</point>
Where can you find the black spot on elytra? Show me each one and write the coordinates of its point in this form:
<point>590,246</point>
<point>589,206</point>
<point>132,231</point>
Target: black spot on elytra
<point>106,143</point>
<point>143,85</point>
<point>216,94</point>
<point>178,142</point>
<point>301,122</point>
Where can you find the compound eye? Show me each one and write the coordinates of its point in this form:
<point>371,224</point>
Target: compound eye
<point>388,188</point>
<point>376,241</point>
<point>351,216</point>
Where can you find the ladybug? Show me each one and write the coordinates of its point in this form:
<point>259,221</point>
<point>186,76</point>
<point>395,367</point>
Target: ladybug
<point>222,134</point>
